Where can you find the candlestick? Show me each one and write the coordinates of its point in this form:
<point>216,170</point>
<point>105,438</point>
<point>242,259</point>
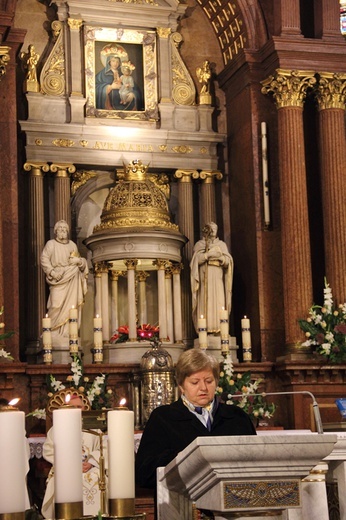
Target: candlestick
<point>265,180</point>
<point>246,339</point>
<point>224,331</point>
<point>47,339</point>
<point>202,332</point>
<point>121,484</point>
<point>73,330</point>
<point>68,479</point>
<point>13,462</point>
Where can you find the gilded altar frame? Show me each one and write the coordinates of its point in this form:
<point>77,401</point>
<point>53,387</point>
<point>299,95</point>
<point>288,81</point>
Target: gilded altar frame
<point>137,47</point>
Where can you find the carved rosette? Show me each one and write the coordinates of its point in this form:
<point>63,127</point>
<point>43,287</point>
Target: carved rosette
<point>289,88</point>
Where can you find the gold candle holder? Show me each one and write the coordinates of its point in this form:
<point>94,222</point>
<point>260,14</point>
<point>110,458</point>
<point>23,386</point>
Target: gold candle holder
<point>12,516</point>
<point>123,508</point>
<point>47,355</point>
<point>68,510</point>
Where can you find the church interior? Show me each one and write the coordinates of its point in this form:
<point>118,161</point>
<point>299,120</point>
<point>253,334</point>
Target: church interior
<point>229,113</point>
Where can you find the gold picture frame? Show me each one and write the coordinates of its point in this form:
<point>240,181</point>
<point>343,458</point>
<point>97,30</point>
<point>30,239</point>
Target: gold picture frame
<point>120,73</point>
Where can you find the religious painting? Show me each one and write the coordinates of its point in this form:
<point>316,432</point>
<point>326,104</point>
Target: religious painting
<point>120,72</point>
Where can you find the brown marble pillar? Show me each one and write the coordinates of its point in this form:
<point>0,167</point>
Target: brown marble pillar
<point>327,20</point>
<point>289,91</point>
<point>186,226</point>
<point>36,279</point>
<point>62,191</point>
<point>288,14</point>
<point>331,98</point>
<point>207,202</point>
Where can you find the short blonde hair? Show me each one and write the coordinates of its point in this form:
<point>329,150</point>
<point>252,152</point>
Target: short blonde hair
<point>195,360</point>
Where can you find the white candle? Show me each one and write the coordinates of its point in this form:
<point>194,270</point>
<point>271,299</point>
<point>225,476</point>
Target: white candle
<point>97,331</point>
<point>121,454</point>
<point>202,332</point>
<point>73,330</point>
<point>46,332</point>
<point>67,434</point>
<point>224,331</point>
<point>265,180</point>
<point>246,339</point>
<point>13,462</point>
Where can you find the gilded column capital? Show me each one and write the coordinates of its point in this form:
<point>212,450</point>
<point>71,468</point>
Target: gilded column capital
<point>160,264</point>
<point>163,32</point>
<point>289,87</point>
<point>208,176</point>
<point>142,276</point>
<point>168,270</point>
<point>36,168</point>
<point>62,169</point>
<point>131,264</point>
<point>177,268</point>
<point>101,268</point>
<point>115,275</point>
<point>75,23</point>
<point>331,90</point>
<point>186,175</point>
<point>4,59</point>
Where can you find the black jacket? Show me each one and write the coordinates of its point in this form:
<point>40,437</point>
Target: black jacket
<point>171,428</point>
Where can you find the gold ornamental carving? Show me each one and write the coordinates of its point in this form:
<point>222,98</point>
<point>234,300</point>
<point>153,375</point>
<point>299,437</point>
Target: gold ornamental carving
<point>101,268</point>
<point>131,263</point>
<point>137,2</point>
<point>114,275</point>
<point>52,77</point>
<point>75,24</point>
<point>163,32</point>
<point>4,59</point>
<point>289,88</point>
<point>62,169</point>
<point>203,74</point>
<point>183,88</point>
<point>81,177</point>
<point>63,143</point>
<point>182,149</point>
<point>186,175</point>
<point>36,168</point>
<point>177,268</point>
<point>331,91</point>
<point>30,61</point>
<point>252,494</point>
<point>160,264</point>
<point>142,276</point>
<point>208,176</point>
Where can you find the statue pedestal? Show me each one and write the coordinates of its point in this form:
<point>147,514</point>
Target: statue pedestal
<point>214,347</point>
<point>132,351</point>
<point>242,476</point>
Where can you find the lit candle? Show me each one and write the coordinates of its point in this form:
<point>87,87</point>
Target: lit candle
<point>68,478</point>
<point>98,340</point>
<point>265,181</point>
<point>202,332</point>
<point>224,330</point>
<point>121,454</point>
<point>47,339</point>
<point>246,339</point>
<point>13,462</point>
<point>73,330</point>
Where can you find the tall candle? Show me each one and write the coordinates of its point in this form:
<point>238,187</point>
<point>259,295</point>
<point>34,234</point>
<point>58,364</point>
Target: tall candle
<point>265,180</point>
<point>224,330</point>
<point>13,462</point>
<point>202,332</point>
<point>46,332</point>
<point>67,433</point>
<point>121,454</point>
<point>246,339</point>
<point>73,330</point>
<point>97,331</point>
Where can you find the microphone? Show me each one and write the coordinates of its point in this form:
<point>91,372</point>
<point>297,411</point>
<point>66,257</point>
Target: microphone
<point>316,410</point>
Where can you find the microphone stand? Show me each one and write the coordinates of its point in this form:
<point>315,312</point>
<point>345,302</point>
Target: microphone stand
<point>316,410</point>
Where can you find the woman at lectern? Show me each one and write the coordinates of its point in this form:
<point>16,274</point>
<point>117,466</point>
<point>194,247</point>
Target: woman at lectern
<point>197,413</point>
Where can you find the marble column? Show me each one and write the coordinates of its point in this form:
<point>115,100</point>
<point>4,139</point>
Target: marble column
<point>131,298</point>
<point>289,90</point>
<point>115,298</point>
<point>76,99</point>
<point>207,202</point>
<point>103,270</point>
<point>331,98</point>
<point>36,277</point>
<point>186,226</point>
<point>178,333</point>
<point>62,191</point>
<point>169,302</point>
<point>142,296</point>
<point>161,295</point>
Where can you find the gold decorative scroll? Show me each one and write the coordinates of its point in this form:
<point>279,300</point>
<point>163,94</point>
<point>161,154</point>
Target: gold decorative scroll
<point>186,175</point>
<point>289,88</point>
<point>4,59</point>
<point>81,177</point>
<point>53,73</point>
<point>183,88</point>
<point>208,176</point>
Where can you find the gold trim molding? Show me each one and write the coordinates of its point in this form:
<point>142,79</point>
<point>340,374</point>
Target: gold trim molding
<point>4,59</point>
<point>331,91</point>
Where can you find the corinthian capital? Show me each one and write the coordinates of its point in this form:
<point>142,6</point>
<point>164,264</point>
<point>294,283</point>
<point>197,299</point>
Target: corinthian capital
<point>331,91</point>
<point>289,87</point>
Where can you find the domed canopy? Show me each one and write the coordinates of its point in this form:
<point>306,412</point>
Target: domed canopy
<point>135,201</point>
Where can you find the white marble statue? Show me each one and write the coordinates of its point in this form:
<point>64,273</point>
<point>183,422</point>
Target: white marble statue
<point>211,278</point>
<point>66,274</point>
